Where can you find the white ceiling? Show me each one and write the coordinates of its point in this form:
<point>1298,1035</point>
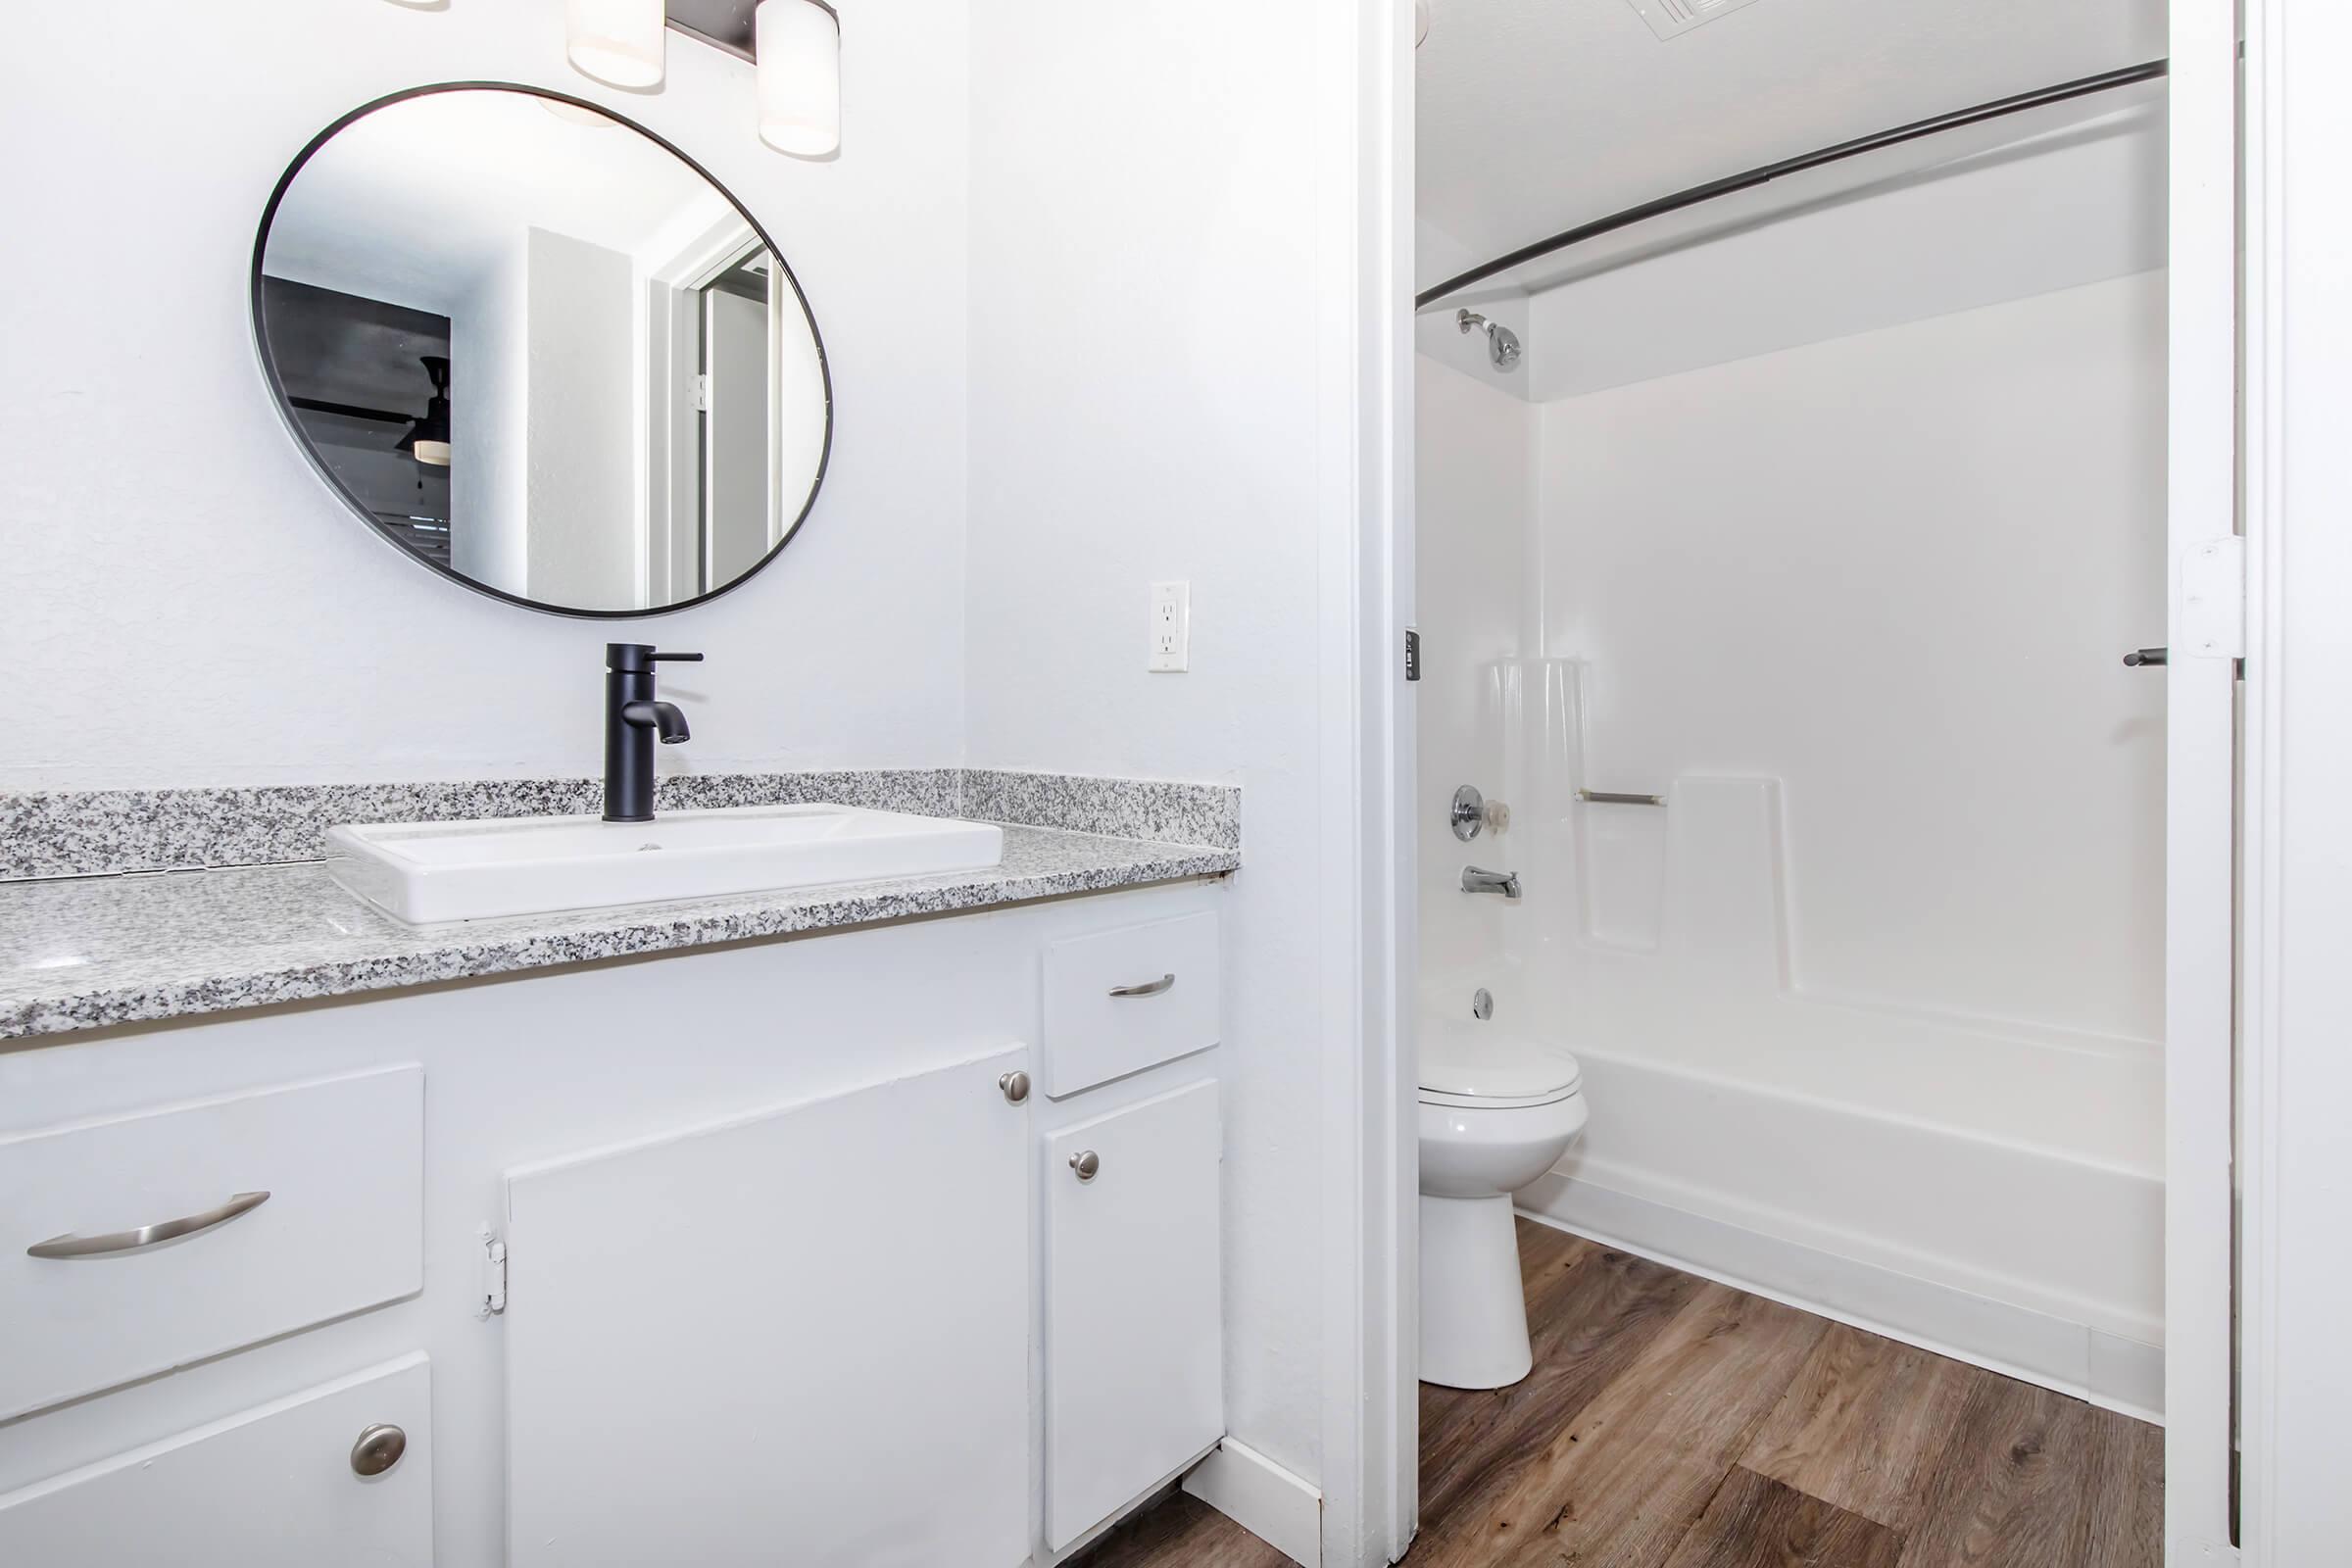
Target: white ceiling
<point>418,201</point>
<point>1537,114</point>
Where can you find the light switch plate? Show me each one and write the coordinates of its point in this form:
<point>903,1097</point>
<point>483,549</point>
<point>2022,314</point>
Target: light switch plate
<point>1171,645</point>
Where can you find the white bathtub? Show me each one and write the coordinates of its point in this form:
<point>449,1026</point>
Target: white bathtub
<point>1868,1163</point>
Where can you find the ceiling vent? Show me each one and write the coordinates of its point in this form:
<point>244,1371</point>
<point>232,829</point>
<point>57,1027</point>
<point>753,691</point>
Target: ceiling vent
<point>1671,19</point>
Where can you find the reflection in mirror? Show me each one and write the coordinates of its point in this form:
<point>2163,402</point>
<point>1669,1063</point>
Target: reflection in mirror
<point>540,351</point>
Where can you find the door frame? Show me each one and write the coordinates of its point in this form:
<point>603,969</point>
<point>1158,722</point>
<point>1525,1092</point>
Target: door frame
<point>669,325</point>
<point>1370,1462</point>
<point>2201,784</point>
<point>2295,1379</point>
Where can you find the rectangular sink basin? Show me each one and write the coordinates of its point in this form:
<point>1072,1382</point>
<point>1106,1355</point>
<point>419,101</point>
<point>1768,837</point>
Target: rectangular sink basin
<point>426,872</point>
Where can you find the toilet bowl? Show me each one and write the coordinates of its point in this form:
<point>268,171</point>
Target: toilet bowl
<point>1498,1110</point>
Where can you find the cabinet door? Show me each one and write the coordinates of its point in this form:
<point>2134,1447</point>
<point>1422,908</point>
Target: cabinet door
<point>1133,1338</point>
<point>798,1336</point>
<point>270,1488</point>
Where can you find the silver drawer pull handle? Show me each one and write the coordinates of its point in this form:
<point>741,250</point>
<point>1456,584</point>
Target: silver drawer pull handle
<point>171,1230</point>
<point>1086,1163</point>
<point>1152,990</point>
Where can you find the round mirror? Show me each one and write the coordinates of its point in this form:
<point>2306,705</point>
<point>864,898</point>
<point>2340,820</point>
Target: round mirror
<point>539,349</point>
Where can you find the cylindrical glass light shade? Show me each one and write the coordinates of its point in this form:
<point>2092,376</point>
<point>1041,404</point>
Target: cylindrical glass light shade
<point>797,43</point>
<point>616,41</point>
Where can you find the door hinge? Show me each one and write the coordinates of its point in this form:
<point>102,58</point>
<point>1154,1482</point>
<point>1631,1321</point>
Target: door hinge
<point>494,1274</point>
<point>1412,654</point>
<point>701,393</point>
<point>2210,620</point>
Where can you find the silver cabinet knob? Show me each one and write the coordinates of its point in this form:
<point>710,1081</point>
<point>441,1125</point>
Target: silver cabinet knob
<point>378,1449</point>
<point>1085,1162</point>
<point>1016,1086</point>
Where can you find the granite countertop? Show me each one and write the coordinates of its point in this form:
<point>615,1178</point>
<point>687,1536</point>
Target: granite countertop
<point>89,951</point>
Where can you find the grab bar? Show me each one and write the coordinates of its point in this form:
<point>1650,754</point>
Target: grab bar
<point>1613,798</point>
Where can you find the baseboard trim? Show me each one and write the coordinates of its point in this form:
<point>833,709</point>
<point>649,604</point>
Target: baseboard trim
<point>1263,1498</point>
<point>2072,1358</point>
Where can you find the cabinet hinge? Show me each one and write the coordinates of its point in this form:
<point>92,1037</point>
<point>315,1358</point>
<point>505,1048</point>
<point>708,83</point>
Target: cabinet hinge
<point>1412,654</point>
<point>701,393</point>
<point>494,1274</point>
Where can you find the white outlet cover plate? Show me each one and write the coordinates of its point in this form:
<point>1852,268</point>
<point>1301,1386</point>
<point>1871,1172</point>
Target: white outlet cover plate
<point>1169,649</point>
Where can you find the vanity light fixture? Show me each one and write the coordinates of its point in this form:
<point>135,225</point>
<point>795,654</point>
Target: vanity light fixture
<point>797,48</point>
<point>619,42</point>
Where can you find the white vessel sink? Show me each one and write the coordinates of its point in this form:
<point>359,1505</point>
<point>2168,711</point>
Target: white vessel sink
<point>423,872</point>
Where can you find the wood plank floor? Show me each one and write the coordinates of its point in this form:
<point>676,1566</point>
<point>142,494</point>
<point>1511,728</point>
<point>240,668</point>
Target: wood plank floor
<point>1672,1422</point>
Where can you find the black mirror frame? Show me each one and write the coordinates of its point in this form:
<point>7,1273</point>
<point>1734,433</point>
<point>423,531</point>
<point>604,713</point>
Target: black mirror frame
<point>285,405</point>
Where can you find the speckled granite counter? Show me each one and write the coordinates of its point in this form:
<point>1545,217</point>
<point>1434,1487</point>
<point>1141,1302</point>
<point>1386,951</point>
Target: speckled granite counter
<point>92,952</point>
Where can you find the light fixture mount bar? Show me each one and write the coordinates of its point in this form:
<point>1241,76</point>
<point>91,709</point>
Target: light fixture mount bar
<point>741,51</point>
<point>723,25</point>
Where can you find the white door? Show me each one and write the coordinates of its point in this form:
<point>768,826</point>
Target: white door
<point>273,1487</point>
<point>2205,637</point>
<point>737,451</point>
<point>1134,1342</point>
<point>802,1337</point>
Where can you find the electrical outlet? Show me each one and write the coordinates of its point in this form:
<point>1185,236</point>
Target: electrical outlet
<point>1171,646</point>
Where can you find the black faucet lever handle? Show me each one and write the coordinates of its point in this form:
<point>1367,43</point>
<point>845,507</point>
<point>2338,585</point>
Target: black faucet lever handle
<point>684,658</point>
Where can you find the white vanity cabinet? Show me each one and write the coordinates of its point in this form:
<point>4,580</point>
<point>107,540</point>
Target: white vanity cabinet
<point>810,1325</point>
<point>273,1487</point>
<point>1133,1338</point>
<point>794,1268</point>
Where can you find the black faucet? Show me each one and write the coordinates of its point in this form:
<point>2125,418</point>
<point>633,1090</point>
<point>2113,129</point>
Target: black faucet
<point>632,719</point>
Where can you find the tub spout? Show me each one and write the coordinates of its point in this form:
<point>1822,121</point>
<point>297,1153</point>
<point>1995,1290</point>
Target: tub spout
<point>1475,880</point>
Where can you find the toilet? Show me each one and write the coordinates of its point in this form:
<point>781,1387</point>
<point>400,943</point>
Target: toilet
<point>1499,1108</point>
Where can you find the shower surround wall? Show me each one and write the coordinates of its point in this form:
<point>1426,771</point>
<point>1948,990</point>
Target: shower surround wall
<point>1870,1011</point>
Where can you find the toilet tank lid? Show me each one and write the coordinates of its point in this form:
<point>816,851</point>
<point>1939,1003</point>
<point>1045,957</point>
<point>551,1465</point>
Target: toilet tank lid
<point>1485,1060</point>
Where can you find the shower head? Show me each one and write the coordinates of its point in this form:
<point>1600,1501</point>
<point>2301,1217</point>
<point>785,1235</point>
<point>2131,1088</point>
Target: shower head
<point>1502,344</point>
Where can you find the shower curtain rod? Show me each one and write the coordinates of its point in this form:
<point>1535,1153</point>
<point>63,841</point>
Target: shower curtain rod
<point>2081,87</point>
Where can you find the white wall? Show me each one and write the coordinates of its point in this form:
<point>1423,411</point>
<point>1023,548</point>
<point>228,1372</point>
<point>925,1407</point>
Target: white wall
<point>1897,573</point>
<point>585,543</point>
<point>1143,406</point>
<point>1823,256</point>
<point>489,426</point>
<point>1474,504</point>
<point>206,611</point>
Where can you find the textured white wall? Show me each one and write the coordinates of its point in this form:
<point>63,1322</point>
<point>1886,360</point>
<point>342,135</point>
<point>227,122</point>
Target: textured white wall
<point>196,608</point>
<point>1145,375</point>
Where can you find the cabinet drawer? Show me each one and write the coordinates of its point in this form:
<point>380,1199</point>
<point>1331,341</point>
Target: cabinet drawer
<point>1130,998</point>
<point>270,1487</point>
<point>342,1161</point>
<point>1133,1329</point>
